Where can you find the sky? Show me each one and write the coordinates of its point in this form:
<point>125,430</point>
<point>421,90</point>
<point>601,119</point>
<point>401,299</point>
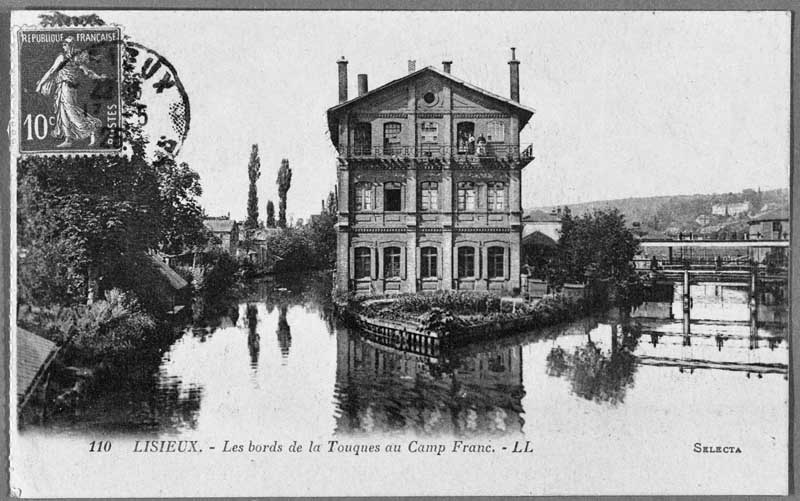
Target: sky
<point>627,103</point>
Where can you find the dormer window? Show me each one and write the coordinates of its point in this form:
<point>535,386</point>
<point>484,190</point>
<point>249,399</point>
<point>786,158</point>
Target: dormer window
<point>496,132</point>
<point>429,132</point>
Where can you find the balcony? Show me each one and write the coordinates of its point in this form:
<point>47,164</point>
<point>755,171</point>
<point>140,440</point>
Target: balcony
<point>490,150</point>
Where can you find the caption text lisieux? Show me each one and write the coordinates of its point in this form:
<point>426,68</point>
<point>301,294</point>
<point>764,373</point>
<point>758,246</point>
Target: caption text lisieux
<point>437,448</point>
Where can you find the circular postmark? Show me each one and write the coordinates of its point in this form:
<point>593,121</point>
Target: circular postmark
<point>164,113</point>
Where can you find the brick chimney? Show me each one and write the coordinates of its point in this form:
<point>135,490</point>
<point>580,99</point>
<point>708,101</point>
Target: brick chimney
<point>363,87</point>
<point>446,66</point>
<point>412,65</point>
<point>513,67</point>
<point>342,79</point>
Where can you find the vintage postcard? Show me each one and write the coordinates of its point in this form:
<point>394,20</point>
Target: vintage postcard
<point>399,253</point>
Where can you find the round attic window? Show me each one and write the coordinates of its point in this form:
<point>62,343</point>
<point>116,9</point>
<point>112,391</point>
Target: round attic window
<point>429,97</point>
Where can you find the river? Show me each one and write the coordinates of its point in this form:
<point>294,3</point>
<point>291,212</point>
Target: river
<point>286,363</point>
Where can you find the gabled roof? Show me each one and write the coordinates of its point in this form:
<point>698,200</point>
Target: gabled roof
<point>220,225</point>
<point>540,216</point>
<point>524,112</point>
<point>539,239</point>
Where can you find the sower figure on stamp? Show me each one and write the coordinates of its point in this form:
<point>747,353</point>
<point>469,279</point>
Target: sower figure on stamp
<point>72,122</point>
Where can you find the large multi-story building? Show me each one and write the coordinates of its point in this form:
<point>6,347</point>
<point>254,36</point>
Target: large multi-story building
<point>429,170</point>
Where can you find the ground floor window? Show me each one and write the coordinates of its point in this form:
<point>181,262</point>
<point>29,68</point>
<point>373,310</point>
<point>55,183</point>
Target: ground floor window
<point>429,256</point>
<point>363,262</point>
<point>466,262</point>
<point>391,262</point>
<point>495,262</point>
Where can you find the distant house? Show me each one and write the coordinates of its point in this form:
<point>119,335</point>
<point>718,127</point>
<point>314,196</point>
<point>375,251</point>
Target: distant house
<point>258,248</point>
<point>703,220</point>
<point>771,225</point>
<point>225,232</point>
<point>546,223</point>
<point>730,209</point>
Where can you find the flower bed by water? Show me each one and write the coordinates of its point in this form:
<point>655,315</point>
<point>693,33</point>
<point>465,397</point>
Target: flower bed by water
<point>458,315</point>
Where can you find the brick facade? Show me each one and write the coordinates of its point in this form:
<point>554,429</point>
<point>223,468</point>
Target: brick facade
<point>421,205</point>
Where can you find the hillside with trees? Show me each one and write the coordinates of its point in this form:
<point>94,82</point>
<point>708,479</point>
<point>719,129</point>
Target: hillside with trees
<point>684,213</point>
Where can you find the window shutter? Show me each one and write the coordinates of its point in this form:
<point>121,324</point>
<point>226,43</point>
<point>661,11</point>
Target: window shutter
<point>439,262</point>
<point>352,263</point>
<point>419,263</point>
<point>403,263</point>
<point>373,263</point>
<point>479,264</point>
<point>506,262</point>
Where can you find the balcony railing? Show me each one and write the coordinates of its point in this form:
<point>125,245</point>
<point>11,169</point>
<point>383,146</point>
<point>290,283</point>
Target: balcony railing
<point>490,150</point>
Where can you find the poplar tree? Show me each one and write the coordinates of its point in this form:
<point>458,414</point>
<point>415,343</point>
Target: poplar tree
<point>254,172</point>
<point>270,214</point>
<point>284,182</point>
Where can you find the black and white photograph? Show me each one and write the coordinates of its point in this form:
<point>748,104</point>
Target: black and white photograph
<point>399,253</point>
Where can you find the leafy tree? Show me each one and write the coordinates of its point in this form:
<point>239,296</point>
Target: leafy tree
<point>82,220</point>
<point>596,245</point>
<point>284,182</point>
<point>181,215</point>
<point>253,172</point>
<point>270,214</point>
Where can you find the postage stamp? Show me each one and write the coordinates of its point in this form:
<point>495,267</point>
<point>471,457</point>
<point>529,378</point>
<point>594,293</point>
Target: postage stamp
<point>69,90</point>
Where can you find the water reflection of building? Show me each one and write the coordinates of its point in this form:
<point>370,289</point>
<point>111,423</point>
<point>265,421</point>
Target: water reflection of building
<point>385,390</point>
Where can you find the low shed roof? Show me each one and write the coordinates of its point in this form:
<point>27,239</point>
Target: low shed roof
<point>33,356</point>
<point>175,281</point>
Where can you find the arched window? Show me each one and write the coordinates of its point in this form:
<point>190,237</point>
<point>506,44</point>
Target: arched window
<point>362,138</point>
<point>364,200</point>
<point>392,197</point>
<point>362,262</point>
<point>391,138</point>
<point>495,265</point>
<point>391,262</point>
<point>466,262</point>
<point>429,257</point>
<point>429,196</point>
<point>466,196</point>
<point>495,132</point>
<point>497,196</point>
